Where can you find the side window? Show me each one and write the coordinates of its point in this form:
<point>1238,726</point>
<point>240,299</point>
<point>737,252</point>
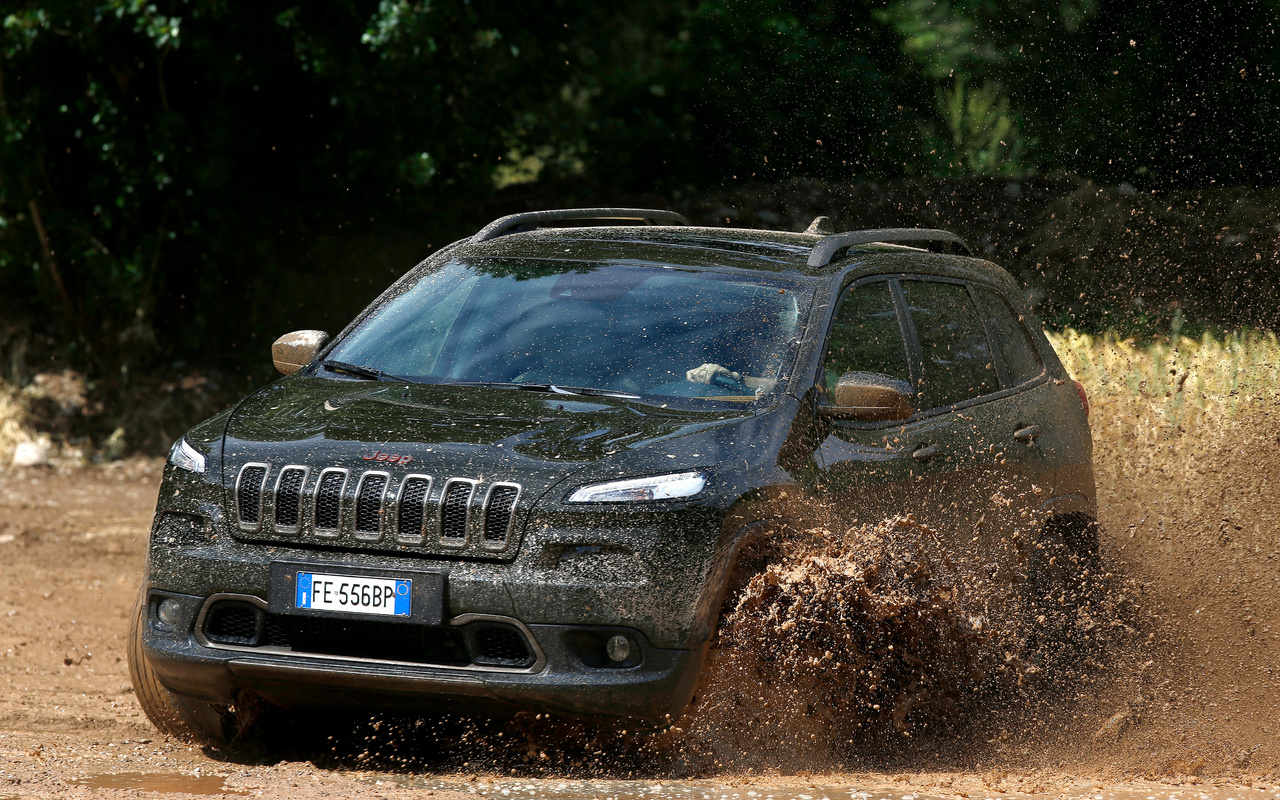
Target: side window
<point>866,337</point>
<point>957,358</point>
<point>1016,358</point>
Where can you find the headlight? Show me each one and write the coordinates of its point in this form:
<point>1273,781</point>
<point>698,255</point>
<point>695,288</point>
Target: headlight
<point>184,456</point>
<point>657,487</point>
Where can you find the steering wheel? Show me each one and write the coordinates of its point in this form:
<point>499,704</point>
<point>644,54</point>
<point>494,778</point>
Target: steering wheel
<point>727,381</point>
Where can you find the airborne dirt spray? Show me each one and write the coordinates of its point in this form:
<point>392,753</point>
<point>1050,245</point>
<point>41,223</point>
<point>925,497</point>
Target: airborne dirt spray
<point>873,643</point>
<point>867,647</point>
<point>1162,663</point>
<point>846,638</point>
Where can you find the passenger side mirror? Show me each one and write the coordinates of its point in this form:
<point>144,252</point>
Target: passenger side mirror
<point>870,397</point>
<point>293,351</point>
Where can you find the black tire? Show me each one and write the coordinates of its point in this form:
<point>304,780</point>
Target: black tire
<point>183,718</point>
<point>1066,554</point>
<point>1062,578</point>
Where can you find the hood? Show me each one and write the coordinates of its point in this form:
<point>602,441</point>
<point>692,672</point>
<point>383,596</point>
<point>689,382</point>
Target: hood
<point>484,435</point>
<point>480,425</point>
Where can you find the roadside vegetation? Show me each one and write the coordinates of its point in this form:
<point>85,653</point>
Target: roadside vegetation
<point>1160,392</point>
<point>1172,385</point>
<point>181,181</point>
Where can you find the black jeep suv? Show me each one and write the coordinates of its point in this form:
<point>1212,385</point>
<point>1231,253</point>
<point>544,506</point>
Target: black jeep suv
<point>522,477</point>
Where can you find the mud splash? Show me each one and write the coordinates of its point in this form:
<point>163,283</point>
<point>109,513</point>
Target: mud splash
<point>846,638</point>
<point>851,647</point>
<point>855,648</point>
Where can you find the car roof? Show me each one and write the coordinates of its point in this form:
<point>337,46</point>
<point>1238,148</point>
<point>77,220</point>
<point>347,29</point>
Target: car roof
<point>780,254</point>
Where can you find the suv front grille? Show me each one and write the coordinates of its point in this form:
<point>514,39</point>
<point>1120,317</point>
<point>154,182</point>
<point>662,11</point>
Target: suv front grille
<point>486,644</point>
<point>454,509</point>
<point>413,508</point>
<point>329,499</point>
<point>498,510</point>
<point>289,497</point>
<point>249,494</point>
<point>378,510</point>
<point>369,503</point>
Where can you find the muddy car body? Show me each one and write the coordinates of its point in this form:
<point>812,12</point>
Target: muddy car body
<point>546,515</point>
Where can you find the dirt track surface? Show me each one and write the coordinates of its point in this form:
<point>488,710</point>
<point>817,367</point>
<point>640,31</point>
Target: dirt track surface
<point>1192,525</point>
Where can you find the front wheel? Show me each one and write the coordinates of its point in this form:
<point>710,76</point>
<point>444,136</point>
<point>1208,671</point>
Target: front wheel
<point>1063,585</point>
<point>181,717</point>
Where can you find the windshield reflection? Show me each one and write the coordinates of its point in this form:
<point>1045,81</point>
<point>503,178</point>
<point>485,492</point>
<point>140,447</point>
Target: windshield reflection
<point>639,330</point>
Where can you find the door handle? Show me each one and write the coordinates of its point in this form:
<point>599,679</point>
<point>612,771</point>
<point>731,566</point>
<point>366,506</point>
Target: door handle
<point>1028,434</point>
<point>925,453</point>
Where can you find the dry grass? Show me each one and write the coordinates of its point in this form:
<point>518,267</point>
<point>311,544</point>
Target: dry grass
<point>14,425</point>
<point>1170,425</point>
<point>1155,391</point>
<point>1142,395</point>
<point>1187,475</point>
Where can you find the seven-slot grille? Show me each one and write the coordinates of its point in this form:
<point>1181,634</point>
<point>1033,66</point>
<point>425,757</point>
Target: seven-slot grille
<point>289,497</point>
<point>375,507</point>
<point>498,516</point>
<point>328,513</point>
<point>413,508</point>
<point>249,495</point>
<point>454,508</point>
<point>369,496</point>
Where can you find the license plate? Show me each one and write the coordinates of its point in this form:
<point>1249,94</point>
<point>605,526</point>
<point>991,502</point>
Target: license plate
<point>353,594</point>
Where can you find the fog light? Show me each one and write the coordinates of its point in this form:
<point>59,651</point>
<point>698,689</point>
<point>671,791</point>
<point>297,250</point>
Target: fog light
<point>618,648</point>
<point>170,611</point>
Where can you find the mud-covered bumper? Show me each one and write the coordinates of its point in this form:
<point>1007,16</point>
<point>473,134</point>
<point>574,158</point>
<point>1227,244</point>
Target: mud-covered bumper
<point>653,685</point>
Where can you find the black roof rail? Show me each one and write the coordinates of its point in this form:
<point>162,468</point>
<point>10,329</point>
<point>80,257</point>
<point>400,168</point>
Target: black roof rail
<point>532,220</point>
<point>827,247</point>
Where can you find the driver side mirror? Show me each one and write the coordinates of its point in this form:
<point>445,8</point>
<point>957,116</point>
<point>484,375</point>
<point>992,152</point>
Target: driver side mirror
<point>870,397</point>
<point>293,351</point>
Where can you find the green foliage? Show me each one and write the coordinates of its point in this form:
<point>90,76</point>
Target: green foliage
<point>191,177</point>
<point>982,135</point>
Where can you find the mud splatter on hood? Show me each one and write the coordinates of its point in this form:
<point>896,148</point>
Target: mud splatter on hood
<point>535,425</point>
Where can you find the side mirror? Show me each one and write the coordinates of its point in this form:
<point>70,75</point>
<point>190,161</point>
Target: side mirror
<point>293,351</point>
<point>870,397</point>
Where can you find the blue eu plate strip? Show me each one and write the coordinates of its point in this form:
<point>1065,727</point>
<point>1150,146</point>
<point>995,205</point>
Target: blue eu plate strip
<point>402,597</point>
<point>304,590</point>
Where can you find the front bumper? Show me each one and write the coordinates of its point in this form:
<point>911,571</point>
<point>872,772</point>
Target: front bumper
<point>654,685</point>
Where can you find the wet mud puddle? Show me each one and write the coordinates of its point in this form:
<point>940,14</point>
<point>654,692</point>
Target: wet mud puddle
<point>159,782</point>
<point>560,789</point>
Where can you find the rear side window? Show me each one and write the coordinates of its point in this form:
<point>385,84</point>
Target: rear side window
<point>1016,358</point>
<point>866,336</point>
<point>958,364</point>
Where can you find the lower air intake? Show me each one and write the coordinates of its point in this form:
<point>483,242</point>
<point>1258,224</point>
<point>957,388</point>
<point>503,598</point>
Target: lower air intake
<point>501,645</point>
<point>232,622</point>
<point>383,641</point>
<point>481,644</point>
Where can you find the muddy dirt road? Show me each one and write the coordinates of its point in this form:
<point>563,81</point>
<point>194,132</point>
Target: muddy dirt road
<point>1191,523</point>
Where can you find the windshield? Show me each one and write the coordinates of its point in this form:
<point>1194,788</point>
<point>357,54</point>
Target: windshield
<point>627,328</point>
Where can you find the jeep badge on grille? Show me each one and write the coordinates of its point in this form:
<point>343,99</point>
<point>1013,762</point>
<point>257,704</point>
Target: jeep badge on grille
<point>390,458</point>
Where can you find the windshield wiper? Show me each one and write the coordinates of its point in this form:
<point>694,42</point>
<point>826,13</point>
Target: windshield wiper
<point>368,373</point>
<point>550,388</point>
<point>593,392</point>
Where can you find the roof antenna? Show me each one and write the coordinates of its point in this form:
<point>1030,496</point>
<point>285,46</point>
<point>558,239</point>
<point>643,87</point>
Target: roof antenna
<point>821,226</point>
